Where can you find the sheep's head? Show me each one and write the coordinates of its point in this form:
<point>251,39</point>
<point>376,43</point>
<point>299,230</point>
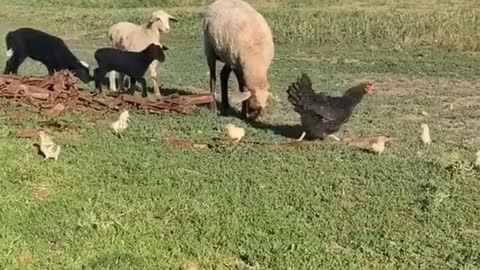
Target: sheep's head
<point>161,21</point>
<point>258,101</point>
<point>82,72</point>
<point>156,51</point>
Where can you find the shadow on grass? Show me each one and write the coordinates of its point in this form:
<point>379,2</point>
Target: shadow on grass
<point>116,261</point>
<point>288,131</point>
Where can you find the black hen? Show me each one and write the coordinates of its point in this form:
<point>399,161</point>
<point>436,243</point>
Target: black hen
<point>323,115</point>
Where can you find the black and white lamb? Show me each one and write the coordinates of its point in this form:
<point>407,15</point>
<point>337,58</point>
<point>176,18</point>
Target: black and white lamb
<point>132,64</point>
<point>45,48</point>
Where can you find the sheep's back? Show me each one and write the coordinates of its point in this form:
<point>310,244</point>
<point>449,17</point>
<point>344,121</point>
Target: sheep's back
<point>237,33</point>
<point>129,36</point>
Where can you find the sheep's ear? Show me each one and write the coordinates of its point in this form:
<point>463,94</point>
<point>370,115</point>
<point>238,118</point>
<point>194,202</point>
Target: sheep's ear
<point>165,48</point>
<point>173,19</point>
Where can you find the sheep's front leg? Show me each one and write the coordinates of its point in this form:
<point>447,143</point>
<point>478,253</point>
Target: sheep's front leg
<point>143,82</point>
<point>241,87</point>
<point>98,76</point>
<point>111,78</point>
<point>153,76</point>
<point>13,64</point>
<point>224,74</point>
<point>213,82</point>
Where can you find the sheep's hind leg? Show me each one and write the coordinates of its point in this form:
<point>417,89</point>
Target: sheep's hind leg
<point>224,74</point>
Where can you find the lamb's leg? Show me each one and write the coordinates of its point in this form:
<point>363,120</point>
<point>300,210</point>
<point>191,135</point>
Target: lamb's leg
<point>241,87</point>
<point>11,67</point>
<point>143,82</point>
<point>98,76</point>
<point>213,81</point>
<point>224,74</point>
<point>112,81</point>
<point>131,89</point>
<point>121,82</point>
<point>153,76</point>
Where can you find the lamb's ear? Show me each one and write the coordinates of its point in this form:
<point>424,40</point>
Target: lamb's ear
<point>173,19</point>
<point>165,48</point>
<point>84,64</point>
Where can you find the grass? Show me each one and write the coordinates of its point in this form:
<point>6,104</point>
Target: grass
<point>135,202</point>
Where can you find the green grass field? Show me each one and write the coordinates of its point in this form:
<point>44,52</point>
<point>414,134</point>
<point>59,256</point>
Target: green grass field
<point>136,202</point>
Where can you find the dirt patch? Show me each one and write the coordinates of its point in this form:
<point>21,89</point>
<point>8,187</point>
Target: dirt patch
<point>26,133</point>
<point>19,117</point>
<point>41,192</point>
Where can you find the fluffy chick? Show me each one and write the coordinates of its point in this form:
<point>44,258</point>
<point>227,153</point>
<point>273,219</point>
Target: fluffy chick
<point>378,145</point>
<point>48,147</point>
<point>234,133</point>
<point>426,134</point>
<point>122,123</point>
<point>374,145</point>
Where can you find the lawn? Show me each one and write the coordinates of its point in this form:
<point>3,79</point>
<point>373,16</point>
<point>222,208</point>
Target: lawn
<point>136,202</point>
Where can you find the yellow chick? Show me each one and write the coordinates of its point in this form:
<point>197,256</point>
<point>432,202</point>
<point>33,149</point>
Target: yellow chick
<point>122,123</point>
<point>477,161</point>
<point>426,134</point>
<point>378,145</point>
<point>234,133</point>
<point>48,147</point>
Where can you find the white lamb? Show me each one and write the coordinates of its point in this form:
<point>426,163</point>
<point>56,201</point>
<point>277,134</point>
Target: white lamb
<point>132,37</point>
<point>237,35</point>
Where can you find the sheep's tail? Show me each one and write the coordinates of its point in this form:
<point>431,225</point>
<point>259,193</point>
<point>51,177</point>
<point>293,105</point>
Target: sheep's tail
<point>300,91</point>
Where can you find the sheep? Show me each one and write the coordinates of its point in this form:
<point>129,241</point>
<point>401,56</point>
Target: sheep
<point>132,37</point>
<point>45,48</point>
<point>237,35</point>
<point>133,64</point>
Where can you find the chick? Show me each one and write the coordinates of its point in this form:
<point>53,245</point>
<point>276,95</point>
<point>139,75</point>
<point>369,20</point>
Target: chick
<point>374,145</point>
<point>122,123</point>
<point>477,161</point>
<point>426,135</point>
<point>378,145</point>
<point>48,147</point>
<point>234,133</point>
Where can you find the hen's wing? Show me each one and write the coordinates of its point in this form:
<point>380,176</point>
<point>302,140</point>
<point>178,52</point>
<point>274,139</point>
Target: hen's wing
<point>303,98</point>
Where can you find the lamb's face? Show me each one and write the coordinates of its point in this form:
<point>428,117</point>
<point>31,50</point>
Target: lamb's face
<point>161,20</point>
<point>83,73</point>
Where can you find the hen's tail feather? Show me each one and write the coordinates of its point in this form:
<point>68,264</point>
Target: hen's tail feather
<point>299,90</point>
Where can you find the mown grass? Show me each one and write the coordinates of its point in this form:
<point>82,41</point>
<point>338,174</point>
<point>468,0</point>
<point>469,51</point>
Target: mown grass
<point>399,25</point>
<point>136,202</point>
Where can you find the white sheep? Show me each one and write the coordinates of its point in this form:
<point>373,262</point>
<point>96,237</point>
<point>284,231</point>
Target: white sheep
<point>237,35</point>
<point>132,37</point>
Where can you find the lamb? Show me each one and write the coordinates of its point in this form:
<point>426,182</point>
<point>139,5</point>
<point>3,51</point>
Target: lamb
<point>45,48</point>
<point>237,35</point>
<point>132,37</point>
<point>133,64</point>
